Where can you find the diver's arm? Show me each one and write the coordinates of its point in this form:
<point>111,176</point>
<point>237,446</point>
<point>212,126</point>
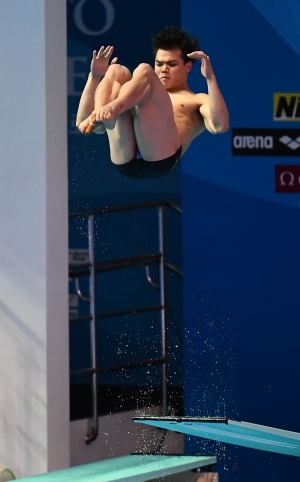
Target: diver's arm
<point>212,105</point>
<point>86,104</point>
<point>99,66</point>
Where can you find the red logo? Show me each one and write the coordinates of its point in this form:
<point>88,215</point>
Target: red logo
<point>287,178</point>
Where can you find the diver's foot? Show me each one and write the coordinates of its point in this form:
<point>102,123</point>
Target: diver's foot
<point>108,115</point>
<point>87,126</point>
<point>90,125</point>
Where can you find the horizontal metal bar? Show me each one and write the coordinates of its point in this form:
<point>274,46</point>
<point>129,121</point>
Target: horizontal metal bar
<point>129,312</point>
<point>127,262</point>
<point>127,207</point>
<point>179,419</point>
<point>174,268</point>
<point>108,265</point>
<point>80,265</point>
<point>115,368</point>
<point>80,319</point>
<point>84,270</point>
<point>109,314</point>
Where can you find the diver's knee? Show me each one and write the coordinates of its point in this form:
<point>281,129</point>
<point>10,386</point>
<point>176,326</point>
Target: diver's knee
<point>118,72</point>
<point>144,70</point>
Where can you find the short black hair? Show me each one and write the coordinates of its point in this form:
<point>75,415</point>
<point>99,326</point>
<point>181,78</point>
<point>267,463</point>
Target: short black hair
<point>175,38</point>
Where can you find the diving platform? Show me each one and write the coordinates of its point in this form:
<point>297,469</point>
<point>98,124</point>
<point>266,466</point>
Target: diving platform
<point>220,429</point>
<point>130,468</point>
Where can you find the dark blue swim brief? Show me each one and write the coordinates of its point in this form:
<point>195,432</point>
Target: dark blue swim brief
<point>138,168</point>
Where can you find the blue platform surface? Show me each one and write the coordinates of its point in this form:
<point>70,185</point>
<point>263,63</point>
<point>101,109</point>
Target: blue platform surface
<point>130,468</point>
<point>238,433</point>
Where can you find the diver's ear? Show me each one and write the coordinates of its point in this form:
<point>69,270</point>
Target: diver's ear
<point>188,66</point>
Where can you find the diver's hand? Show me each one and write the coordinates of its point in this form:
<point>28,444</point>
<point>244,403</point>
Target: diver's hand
<point>206,68</point>
<point>100,61</point>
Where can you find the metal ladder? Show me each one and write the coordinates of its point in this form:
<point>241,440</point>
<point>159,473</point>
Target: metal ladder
<point>93,267</point>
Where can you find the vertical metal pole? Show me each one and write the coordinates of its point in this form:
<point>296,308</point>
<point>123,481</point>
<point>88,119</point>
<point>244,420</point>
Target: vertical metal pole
<point>162,278</point>
<point>92,282</point>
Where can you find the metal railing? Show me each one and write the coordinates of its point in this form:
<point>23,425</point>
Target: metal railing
<point>93,267</point>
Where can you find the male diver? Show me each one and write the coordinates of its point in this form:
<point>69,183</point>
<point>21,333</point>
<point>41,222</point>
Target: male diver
<point>151,117</point>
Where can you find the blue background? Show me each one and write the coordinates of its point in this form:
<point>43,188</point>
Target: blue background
<point>241,240</point>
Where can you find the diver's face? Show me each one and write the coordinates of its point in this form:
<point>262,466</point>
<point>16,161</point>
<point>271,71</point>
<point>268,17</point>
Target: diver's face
<point>170,68</point>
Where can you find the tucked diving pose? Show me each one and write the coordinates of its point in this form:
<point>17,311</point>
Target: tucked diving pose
<point>151,116</point>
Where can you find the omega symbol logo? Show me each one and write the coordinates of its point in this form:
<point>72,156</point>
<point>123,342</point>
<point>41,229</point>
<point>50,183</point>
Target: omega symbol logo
<point>287,178</point>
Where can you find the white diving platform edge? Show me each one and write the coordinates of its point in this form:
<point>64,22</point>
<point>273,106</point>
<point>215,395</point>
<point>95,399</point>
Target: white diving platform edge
<point>224,430</point>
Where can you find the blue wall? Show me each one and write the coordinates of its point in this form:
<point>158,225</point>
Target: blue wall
<point>241,238</point>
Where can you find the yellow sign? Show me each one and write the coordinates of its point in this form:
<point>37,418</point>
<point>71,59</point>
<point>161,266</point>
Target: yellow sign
<point>286,107</point>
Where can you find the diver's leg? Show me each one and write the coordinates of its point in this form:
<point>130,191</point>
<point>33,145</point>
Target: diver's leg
<point>155,129</point>
<point>121,139</point>
<point>107,90</point>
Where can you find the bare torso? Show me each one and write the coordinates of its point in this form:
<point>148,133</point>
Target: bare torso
<point>187,116</point>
